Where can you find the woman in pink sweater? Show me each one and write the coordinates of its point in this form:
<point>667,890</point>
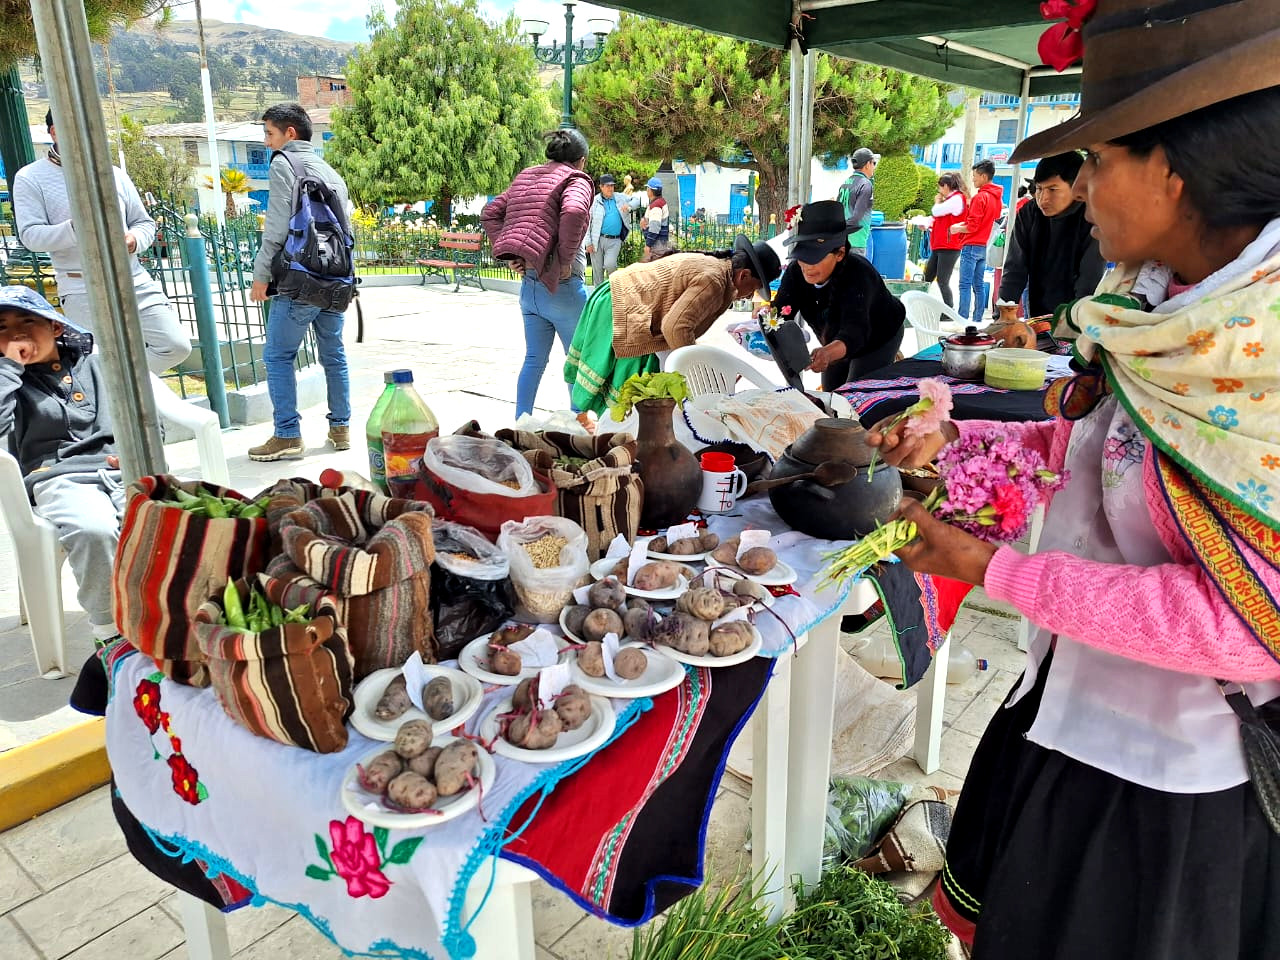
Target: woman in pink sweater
<point>1112,809</point>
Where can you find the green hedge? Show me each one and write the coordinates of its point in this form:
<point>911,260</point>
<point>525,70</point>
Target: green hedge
<point>897,185</point>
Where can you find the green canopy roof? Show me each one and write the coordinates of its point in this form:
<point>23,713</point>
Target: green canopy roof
<point>988,44</point>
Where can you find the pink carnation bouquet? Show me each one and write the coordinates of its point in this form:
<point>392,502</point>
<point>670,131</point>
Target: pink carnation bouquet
<point>990,486</point>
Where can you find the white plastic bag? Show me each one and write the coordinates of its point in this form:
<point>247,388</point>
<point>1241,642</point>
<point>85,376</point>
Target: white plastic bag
<point>465,551</point>
<point>562,421</point>
<point>542,592</point>
<point>480,465</point>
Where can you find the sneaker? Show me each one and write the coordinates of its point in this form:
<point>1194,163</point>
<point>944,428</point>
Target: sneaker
<point>278,448</point>
<point>340,437</point>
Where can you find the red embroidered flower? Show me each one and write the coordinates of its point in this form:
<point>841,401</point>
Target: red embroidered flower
<point>356,860</point>
<point>186,781</point>
<point>146,703</point>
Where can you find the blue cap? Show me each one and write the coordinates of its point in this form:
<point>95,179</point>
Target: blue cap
<point>402,376</point>
<point>24,298</point>
<point>654,183</point>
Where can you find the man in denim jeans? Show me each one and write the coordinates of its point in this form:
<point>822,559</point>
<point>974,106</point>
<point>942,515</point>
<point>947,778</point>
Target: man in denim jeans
<point>984,211</point>
<point>288,128</point>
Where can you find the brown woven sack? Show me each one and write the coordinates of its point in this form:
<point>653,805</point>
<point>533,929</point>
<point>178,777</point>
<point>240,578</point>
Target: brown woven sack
<point>169,561</point>
<point>291,683</point>
<point>603,495</point>
<point>374,553</point>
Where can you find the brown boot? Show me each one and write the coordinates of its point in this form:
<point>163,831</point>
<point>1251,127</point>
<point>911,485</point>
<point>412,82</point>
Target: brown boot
<point>278,448</point>
<point>340,437</point>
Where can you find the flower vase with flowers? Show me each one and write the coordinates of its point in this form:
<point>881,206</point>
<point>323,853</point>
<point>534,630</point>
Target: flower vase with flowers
<point>990,487</point>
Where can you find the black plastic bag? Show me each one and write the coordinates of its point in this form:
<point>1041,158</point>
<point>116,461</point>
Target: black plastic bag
<point>471,591</point>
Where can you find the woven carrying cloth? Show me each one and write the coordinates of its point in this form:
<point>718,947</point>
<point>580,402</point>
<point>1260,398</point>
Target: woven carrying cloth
<point>374,553</point>
<point>169,561</point>
<point>603,495</point>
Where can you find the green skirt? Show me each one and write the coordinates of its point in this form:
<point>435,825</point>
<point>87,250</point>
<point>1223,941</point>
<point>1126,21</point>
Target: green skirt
<point>593,373</point>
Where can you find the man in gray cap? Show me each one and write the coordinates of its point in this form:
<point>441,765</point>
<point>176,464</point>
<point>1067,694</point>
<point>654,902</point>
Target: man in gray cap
<point>856,195</point>
<point>608,229</point>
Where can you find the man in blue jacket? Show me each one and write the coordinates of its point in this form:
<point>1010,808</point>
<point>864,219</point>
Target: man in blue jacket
<point>607,230</point>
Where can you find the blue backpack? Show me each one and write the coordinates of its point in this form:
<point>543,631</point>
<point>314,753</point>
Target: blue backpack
<point>317,265</point>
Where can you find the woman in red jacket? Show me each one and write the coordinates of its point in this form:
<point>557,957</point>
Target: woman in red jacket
<point>537,225</point>
<point>949,207</point>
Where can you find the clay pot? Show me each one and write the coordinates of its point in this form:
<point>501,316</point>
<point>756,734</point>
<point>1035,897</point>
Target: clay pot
<point>844,512</point>
<point>670,473</point>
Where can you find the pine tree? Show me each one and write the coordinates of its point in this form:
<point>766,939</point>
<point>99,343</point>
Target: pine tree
<point>444,105</point>
<point>678,93</point>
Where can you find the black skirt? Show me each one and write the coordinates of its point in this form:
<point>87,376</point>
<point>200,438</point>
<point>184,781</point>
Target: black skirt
<point>1052,859</point>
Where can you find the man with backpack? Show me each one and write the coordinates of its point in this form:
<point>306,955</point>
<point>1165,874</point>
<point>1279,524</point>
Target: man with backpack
<point>306,255</point>
<point>857,194</point>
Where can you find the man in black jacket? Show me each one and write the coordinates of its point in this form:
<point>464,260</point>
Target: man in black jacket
<point>1050,253</point>
<point>840,295</point>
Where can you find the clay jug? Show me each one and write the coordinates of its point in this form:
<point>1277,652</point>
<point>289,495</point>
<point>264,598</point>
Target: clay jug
<point>671,475</point>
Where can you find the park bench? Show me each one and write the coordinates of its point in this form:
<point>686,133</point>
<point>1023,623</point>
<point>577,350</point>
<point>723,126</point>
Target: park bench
<point>459,253</point>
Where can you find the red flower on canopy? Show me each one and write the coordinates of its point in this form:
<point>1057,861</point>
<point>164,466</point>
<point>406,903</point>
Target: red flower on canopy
<point>1075,12</point>
<point>356,859</point>
<point>1062,45</point>
<point>146,703</point>
<point>186,781</point>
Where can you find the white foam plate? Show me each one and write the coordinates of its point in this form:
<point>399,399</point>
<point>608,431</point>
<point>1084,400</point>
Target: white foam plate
<point>365,806</point>
<point>764,598</point>
<point>601,569</point>
<point>474,659</point>
<point>467,696</point>
<point>662,674</point>
<point>593,734</point>
<point>742,656</point>
<point>573,637</point>
<point>781,574</point>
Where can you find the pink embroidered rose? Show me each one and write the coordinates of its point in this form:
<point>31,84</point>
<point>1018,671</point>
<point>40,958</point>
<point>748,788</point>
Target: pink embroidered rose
<point>356,859</point>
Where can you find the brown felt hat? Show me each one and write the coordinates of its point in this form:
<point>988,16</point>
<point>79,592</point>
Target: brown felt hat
<point>1147,62</point>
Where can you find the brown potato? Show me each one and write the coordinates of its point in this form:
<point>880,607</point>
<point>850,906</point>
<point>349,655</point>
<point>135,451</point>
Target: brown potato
<point>630,663</point>
<point>437,697</point>
<point>730,638</point>
<point>413,738</point>
<point>683,632</point>
<point>636,622</point>
<point>394,700</point>
<point>705,603</point>
<point>758,560</point>
<point>452,766</point>
<point>512,633</point>
<point>620,568</point>
<point>573,709</point>
<point>425,763</point>
<point>411,792</point>
<point>708,541</point>
<point>505,662</point>
<point>380,771</point>
<point>607,593</point>
<point>656,576</point>
<point>525,693</point>
<point>686,547</point>
<point>535,731</point>
<point>573,617</point>
<point>658,545</point>
<point>591,659</point>
<point>727,552</point>
<point>600,622</point>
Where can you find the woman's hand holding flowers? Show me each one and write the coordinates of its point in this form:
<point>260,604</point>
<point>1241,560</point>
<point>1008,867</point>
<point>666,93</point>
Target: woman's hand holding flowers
<point>941,548</point>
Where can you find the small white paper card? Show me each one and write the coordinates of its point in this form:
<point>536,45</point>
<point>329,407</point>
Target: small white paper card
<point>752,538</point>
<point>737,613</point>
<point>580,593</point>
<point>681,531</point>
<point>539,649</point>
<point>618,548</point>
<point>551,683</point>
<point>639,557</point>
<point>611,643</point>
<point>415,678</point>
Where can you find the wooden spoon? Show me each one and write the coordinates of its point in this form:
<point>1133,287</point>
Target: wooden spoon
<point>832,473</point>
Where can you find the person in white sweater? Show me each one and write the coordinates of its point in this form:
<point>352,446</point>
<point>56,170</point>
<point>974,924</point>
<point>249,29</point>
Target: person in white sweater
<point>42,209</point>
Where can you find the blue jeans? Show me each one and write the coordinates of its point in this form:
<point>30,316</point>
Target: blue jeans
<point>286,326</point>
<point>547,315</point>
<point>973,267</point>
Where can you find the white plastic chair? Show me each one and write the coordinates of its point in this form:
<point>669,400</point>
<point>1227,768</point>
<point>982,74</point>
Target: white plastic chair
<point>925,313</point>
<point>712,370</point>
<point>35,540</point>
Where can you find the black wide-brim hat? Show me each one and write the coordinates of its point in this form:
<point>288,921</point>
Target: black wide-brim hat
<point>1147,62</point>
<point>817,230</point>
<point>764,259</point>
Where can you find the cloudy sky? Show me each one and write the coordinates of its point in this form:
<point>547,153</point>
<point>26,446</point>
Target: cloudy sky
<point>334,19</point>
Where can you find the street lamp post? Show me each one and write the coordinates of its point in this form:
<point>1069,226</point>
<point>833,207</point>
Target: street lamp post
<point>568,53</point>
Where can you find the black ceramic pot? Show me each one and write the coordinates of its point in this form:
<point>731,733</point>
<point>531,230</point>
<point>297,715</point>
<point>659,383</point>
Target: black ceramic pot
<point>845,512</point>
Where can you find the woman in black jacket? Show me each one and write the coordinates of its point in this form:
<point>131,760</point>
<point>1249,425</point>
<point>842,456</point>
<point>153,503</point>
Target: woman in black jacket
<point>840,295</point>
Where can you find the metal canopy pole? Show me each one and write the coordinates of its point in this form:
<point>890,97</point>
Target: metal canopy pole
<point>808,92</point>
<point>795,135</point>
<point>1024,111</point>
<point>63,36</point>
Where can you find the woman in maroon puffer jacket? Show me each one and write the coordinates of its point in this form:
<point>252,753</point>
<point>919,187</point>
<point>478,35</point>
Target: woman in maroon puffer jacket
<point>538,225</point>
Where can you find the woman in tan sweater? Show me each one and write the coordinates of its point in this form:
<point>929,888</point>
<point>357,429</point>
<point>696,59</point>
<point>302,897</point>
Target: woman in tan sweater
<point>650,308</point>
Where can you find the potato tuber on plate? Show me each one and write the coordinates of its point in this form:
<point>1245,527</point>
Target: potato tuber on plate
<point>454,766</point>
<point>394,700</point>
<point>505,636</point>
<point>757,561</point>
<point>590,660</point>
<point>573,617</point>
<point>437,698</point>
<point>413,738</point>
<point>534,731</point>
<point>505,662</point>
<point>684,632</point>
<point>661,575</point>
<point>380,771</point>
<point>636,621</point>
<point>708,541</point>
<point>525,694</point>
<point>411,792</point>
<point>607,593</point>
<point>730,638</point>
<point>425,763</point>
<point>573,707</point>
<point>726,552</point>
<point>599,622</point>
<point>686,547</point>
<point>630,663</point>
<point>658,545</point>
<point>705,603</point>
